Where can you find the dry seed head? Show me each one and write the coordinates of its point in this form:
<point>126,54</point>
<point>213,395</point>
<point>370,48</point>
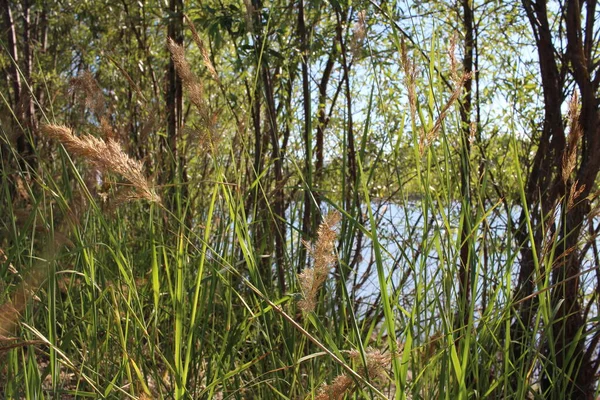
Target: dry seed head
<point>377,362</point>
<point>205,57</point>
<point>106,156</point>
<point>107,130</point>
<point>570,154</point>
<point>472,131</point>
<point>409,80</point>
<point>192,84</point>
<point>574,194</point>
<point>189,79</point>
<point>359,33</point>
<point>341,385</point>
<point>86,85</point>
<point>432,134</point>
<point>453,61</point>
<point>311,279</point>
<point>550,234</point>
<point>459,81</point>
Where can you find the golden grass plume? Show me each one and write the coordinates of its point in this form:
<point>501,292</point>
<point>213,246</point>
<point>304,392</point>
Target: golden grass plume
<point>86,85</point>
<point>377,363</point>
<point>311,279</point>
<point>195,88</point>
<point>189,80</point>
<point>569,159</point>
<point>106,156</point>
<point>359,33</point>
<point>200,44</point>
<point>410,77</point>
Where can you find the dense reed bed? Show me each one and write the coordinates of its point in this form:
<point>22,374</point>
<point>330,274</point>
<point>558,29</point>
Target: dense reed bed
<point>197,252</point>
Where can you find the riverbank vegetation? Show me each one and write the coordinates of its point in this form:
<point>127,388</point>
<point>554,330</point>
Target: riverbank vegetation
<point>299,200</point>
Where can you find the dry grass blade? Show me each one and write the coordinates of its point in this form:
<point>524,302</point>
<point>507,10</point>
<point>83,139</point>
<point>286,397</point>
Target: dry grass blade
<point>15,345</point>
<point>106,156</point>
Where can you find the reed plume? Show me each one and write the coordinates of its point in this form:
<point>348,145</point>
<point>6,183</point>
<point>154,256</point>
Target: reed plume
<point>195,89</point>
<point>460,80</point>
<point>569,159</point>
<point>106,156</point>
<point>377,362</point>
<point>200,44</point>
<point>311,279</point>
<point>189,80</point>
<point>88,87</point>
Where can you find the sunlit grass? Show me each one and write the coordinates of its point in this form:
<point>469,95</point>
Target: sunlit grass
<point>111,299</point>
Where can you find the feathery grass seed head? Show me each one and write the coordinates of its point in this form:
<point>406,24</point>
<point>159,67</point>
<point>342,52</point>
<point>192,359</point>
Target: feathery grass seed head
<point>311,279</point>
<point>337,389</point>
<point>88,88</point>
<point>192,84</point>
<point>575,132</point>
<point>377,362</point>
<point>106,156</point>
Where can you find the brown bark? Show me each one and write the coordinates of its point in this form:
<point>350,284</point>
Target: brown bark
<point>267,210</point>
<point>174,107</point>
<point>352,199</point>
<point>321,115</point>
<point>540,188</point>
<point>10,29</point>
<point>279,200</point>
<point>571,369</point>
<point>307,218</point>
<point>21,101</point>
<point>351,192</point>
<point>465,116</point>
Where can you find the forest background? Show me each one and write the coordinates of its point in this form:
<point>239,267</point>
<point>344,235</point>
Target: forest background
<point>310,199</point>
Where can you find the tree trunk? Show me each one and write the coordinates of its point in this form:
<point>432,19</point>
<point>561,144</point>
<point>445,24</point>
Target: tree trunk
<point>466,260</point>
<point>551,185</point>
<point>308,219</point>
<point>174,105</point>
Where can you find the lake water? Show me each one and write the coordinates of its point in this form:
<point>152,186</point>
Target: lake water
<point>421,257</point>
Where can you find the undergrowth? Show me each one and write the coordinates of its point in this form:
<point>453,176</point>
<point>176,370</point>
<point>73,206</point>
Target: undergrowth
<point>117,287</point>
